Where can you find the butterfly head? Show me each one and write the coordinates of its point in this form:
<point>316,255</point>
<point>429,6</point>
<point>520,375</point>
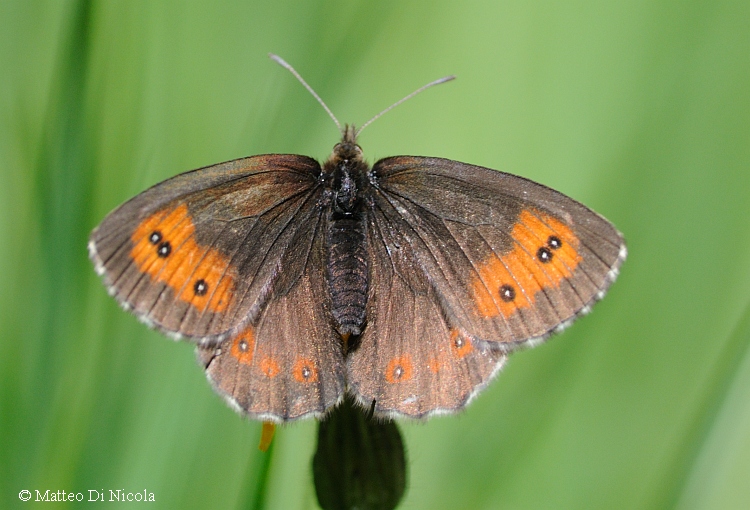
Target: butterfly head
<point>346,171</point>
<point>346,158</point>
<point>347,149</point>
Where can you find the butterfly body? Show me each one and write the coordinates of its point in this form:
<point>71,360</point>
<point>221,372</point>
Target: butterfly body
<point>406,284</point>
<point>346,177</point>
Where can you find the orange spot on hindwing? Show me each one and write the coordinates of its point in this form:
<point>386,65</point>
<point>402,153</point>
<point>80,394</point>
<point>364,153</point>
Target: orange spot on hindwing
<point>435,365</point>
<point>460,345</point>
<point>269,367</point>
<point>304,371</point>
<point>243,347</point>
<point>399,369</point>
<point>164,247</point>
<point>544,253</point>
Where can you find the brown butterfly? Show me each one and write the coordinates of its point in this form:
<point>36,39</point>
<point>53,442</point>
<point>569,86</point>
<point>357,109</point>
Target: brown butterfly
<point>405,284</point>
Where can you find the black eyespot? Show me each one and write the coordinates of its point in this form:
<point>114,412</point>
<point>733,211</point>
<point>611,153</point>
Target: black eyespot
<point>554,242</point>
<point>200,287</point>
<point>243,345</point>
<point>507,293</point>
<point>306,372</point>
<point>164,249</point>
<point>458,342</point>
<point>155,237</point>
<point>544,255</point>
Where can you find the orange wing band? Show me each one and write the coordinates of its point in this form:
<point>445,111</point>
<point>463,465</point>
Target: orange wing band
<point>164,247</point>
<point>545,253</point>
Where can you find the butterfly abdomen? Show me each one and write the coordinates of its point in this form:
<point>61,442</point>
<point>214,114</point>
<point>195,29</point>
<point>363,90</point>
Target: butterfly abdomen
<point>347,272</point>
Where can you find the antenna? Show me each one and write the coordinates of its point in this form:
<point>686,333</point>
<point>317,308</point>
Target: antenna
<point>289,68</point>
<point>420,89</point>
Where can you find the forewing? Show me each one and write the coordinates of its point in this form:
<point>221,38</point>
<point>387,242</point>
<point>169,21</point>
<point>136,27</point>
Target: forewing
<point>288,363</point>
<point>510,260</point>
<point>197,255</point>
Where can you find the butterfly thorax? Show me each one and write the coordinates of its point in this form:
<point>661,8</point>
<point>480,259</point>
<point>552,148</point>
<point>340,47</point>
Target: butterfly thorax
<point>345,174</point>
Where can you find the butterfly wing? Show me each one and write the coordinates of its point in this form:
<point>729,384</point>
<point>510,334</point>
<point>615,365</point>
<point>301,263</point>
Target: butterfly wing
<point>411,360</point>
<point>197,255</point>
<point>513,260</point>
<point>476,261</point>
<point>288,363</point>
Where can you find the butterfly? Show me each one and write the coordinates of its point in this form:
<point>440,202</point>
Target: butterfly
<point>405,284</point>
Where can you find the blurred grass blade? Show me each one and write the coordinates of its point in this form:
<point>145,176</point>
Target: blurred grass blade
<point>723,375</point>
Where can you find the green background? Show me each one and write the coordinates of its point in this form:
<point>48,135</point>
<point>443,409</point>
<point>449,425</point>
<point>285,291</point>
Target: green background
<point>641,110</point>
